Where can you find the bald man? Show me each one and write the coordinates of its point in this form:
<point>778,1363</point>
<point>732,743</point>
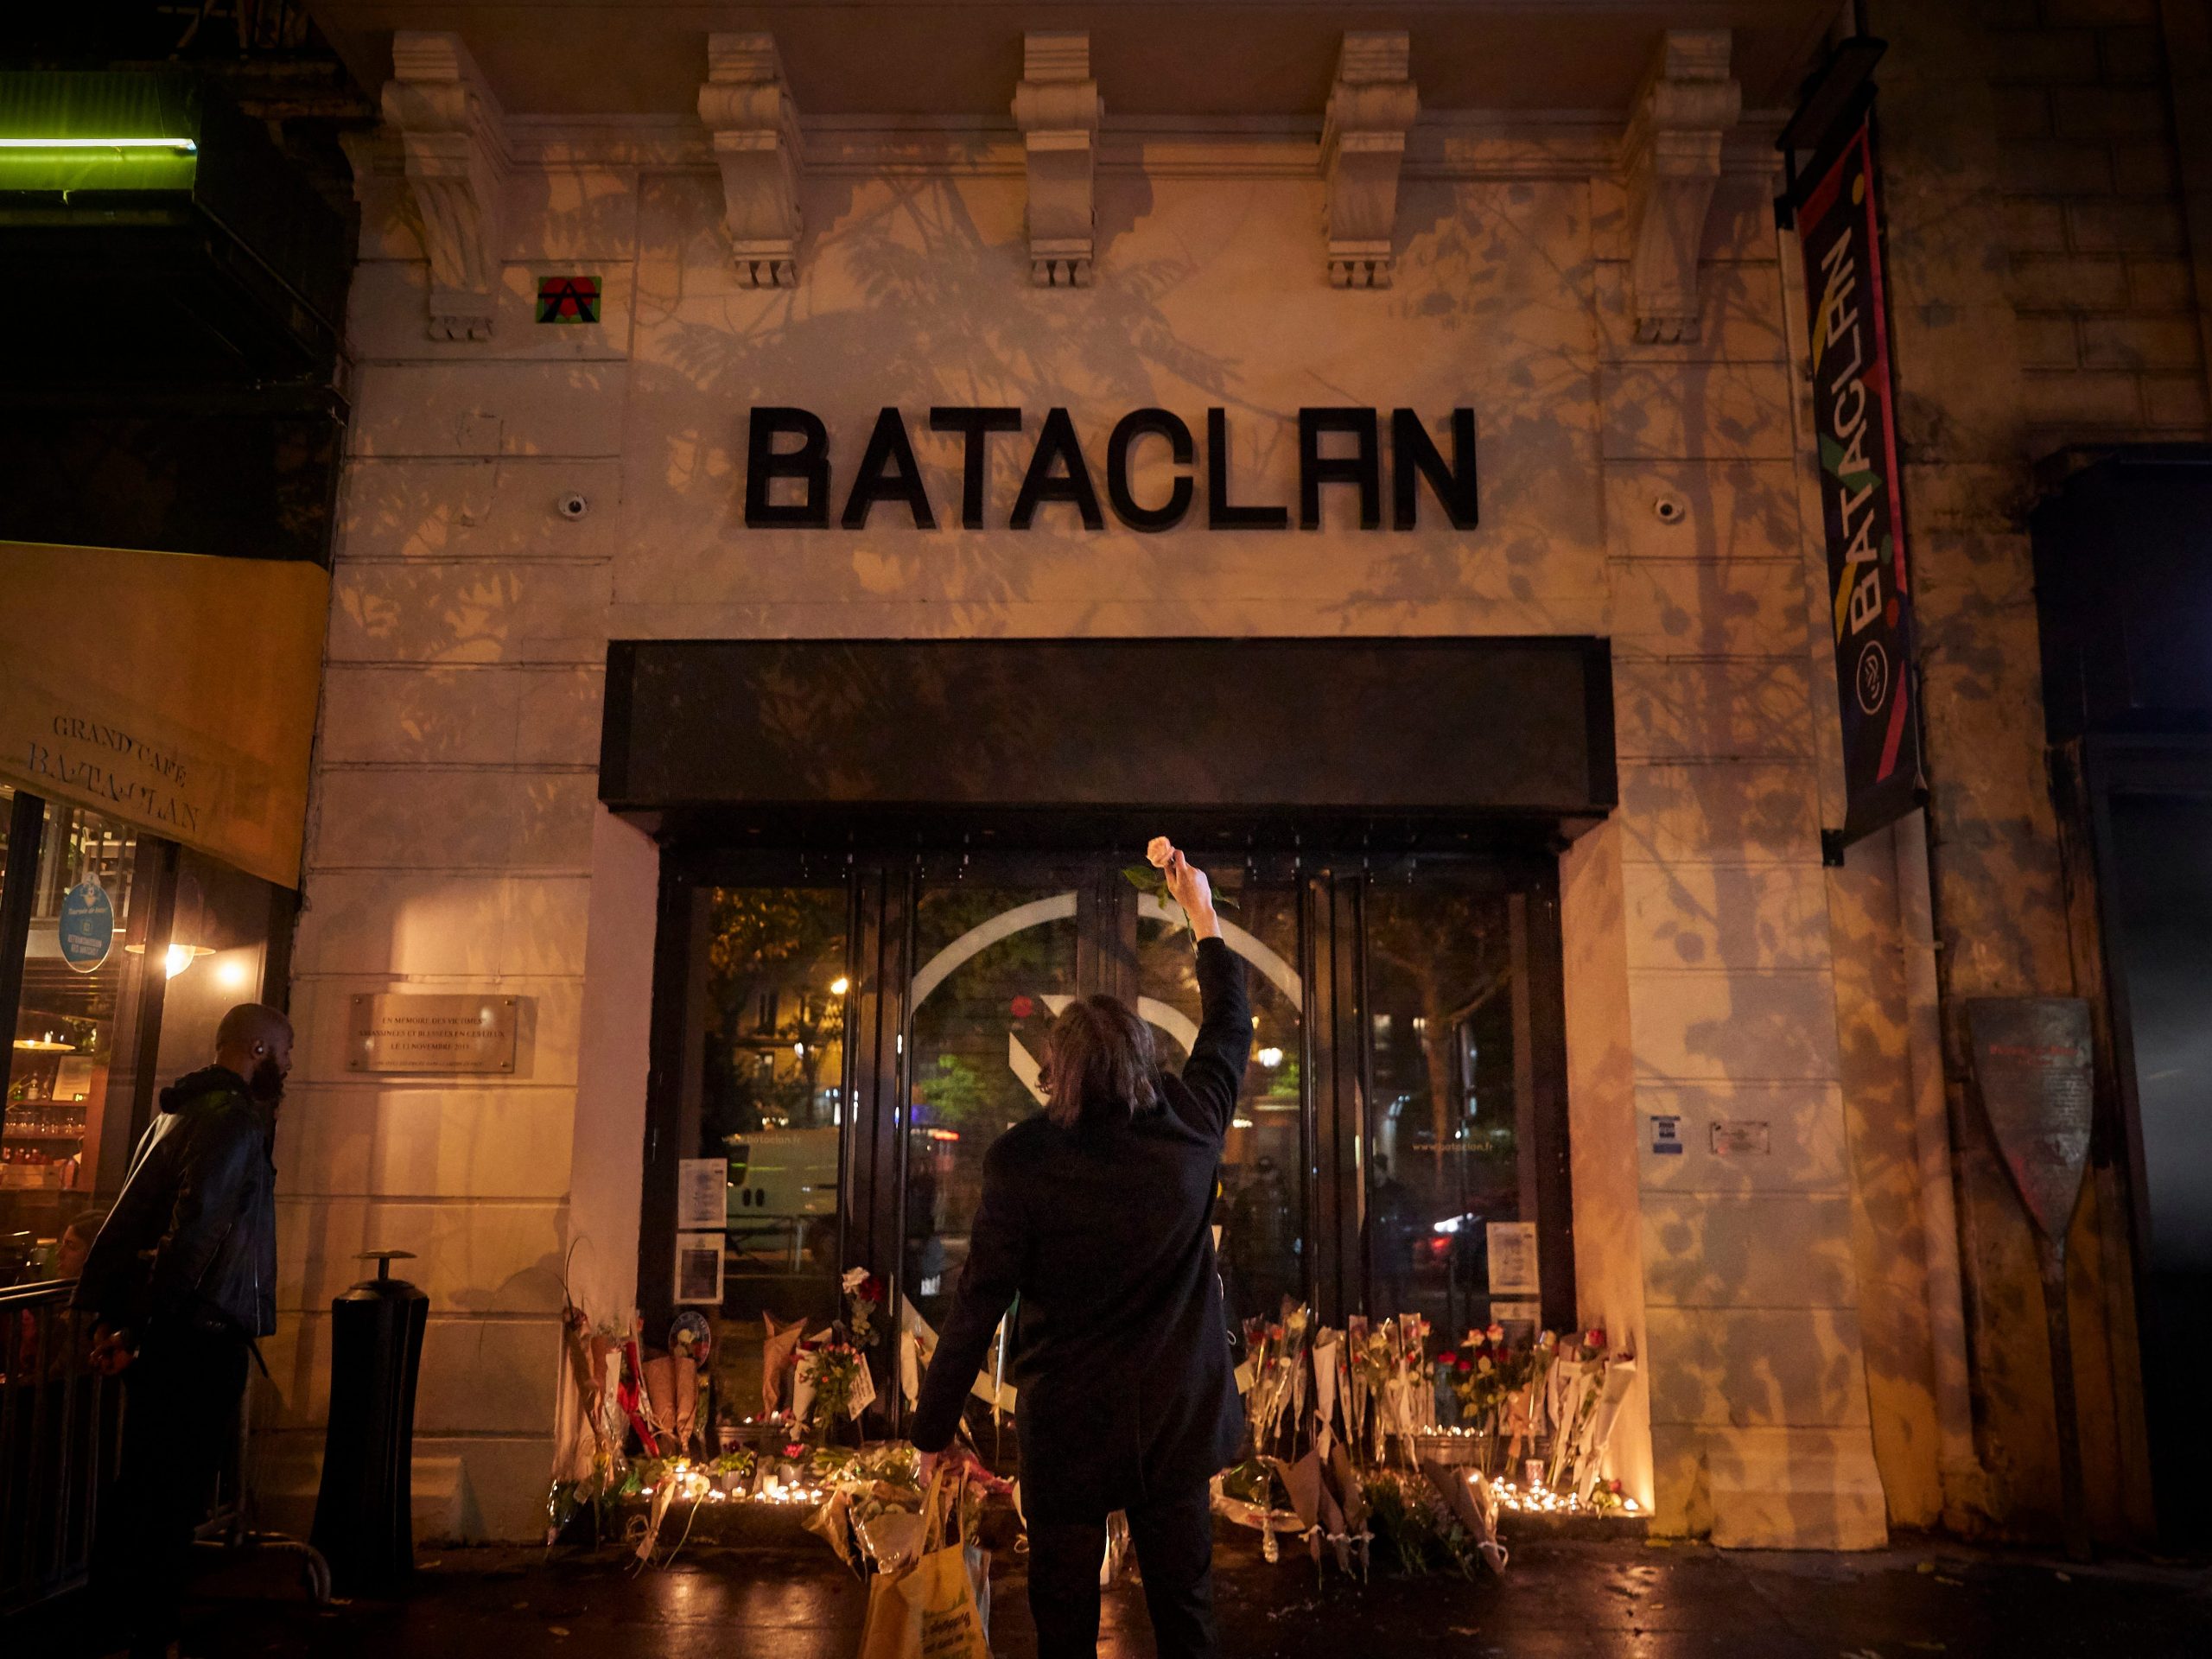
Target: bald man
<point>180,1283</point>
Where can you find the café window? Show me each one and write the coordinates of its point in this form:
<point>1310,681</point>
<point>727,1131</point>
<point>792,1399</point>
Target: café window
<point>119,952</point>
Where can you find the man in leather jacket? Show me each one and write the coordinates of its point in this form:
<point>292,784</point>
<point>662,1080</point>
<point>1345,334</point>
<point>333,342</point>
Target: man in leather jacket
<point>181,1281</point>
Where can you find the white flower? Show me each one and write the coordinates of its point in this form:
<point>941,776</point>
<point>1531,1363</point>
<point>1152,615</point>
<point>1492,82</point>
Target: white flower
<point>855,1278</point>
<point>1159,852</point>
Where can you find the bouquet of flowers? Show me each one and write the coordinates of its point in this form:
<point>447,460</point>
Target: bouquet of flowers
<point>1496,1381</point>
<point>836,1370</point>
<point>1277,1354</point>
<point>863,1301</point>
<point>1480,1378</point>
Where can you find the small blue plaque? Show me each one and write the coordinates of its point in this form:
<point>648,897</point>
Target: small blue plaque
<point>87,926</point>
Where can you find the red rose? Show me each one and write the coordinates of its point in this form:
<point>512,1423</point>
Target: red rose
<point>1596,1338</point>
<point>1023,1007</point>
<point>871,1289</point>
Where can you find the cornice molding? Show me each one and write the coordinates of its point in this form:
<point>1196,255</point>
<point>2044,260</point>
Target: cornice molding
<point>1451,145</point>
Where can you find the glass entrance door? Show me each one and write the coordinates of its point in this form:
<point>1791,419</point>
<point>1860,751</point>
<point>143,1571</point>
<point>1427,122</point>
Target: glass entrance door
<point>840,1048</point>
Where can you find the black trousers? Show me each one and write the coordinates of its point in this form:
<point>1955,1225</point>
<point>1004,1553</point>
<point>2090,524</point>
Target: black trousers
<point>180,1425</point>
<point>1173,1540</point>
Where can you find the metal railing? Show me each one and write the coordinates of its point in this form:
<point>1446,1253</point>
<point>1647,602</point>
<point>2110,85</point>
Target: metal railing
<point>60,1430</point>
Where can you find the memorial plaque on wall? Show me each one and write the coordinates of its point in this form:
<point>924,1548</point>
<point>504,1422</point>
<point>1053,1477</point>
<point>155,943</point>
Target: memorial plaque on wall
<point>435,1032</point>
<point>2032,1063</point>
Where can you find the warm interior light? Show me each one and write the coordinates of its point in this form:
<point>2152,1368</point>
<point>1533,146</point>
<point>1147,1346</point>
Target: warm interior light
<point>180,146</point>
<point>48,1044</point>
<point>839,985</point>
<point>1271,1058</point>
<point>231,975</point>
<point>180,956</point>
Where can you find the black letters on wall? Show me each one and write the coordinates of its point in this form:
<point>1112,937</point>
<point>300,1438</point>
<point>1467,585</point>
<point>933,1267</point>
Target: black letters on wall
<point>1057,447</point>
<point>1221,512</point>
<point>888,473</point>
<point>809,463</point>
<point>975,425</point>
<point>1364,468</point>
<point>1058,473</point>
<point>1413,454</point>
<point>1139,424</point>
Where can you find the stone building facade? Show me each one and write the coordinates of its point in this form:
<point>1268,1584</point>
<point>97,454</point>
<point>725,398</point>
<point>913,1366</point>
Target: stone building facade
<point>1835,1337</point>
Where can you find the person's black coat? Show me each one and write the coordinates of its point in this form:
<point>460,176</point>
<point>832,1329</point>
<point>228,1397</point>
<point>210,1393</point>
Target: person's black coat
<point>192,1239</point>
<point>1120,1352</point>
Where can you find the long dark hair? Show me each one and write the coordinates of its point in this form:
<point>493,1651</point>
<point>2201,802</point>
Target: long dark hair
<point>1098,1064</point>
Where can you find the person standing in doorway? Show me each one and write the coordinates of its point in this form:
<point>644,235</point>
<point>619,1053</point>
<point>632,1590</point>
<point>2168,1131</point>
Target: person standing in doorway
<point>1097,1214</point>
<point>180,1283</point>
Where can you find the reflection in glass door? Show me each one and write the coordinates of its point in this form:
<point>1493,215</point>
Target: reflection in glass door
<point>993,963</point>
<point>1261,1210</point>
<point>763,1093</point>
<point>1457,1151</point>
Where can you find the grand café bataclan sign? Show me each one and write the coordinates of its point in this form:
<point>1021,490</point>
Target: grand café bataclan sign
<point>789,483</point>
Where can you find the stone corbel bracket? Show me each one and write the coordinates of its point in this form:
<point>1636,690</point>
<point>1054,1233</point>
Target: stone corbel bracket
<point>1059,110</point>
<point>753,120</point>
<point>1672,156</point>
<point>453,145</point>
<point>1371,108</point>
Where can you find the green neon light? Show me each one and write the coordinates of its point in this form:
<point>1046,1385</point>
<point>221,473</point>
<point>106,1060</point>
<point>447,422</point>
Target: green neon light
<point>182,146</point>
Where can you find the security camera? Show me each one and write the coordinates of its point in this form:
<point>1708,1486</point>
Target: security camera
<point>573,504</point>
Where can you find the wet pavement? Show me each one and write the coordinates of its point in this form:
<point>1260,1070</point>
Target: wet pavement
<point>1556,1599</point>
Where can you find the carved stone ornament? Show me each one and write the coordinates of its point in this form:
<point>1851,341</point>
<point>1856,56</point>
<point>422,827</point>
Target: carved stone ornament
<point>1673,154</point>
<point>1371,108</point>
<point>453,144</point>
<point>1058,108</point>
<point>753,120</point>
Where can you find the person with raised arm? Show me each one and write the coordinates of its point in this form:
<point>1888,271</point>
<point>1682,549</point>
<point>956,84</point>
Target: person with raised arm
<point>1097,1213</point>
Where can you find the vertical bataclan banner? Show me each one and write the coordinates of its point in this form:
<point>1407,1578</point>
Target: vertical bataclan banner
<point>1871,604</point>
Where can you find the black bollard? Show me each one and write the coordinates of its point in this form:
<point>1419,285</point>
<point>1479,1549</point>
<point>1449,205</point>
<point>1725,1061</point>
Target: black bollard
<point>364,1520</point>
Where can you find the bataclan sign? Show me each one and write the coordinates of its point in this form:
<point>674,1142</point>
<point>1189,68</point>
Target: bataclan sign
<point>790,447</point>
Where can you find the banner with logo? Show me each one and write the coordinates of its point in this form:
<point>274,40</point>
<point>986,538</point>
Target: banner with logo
<point>1871,603</point>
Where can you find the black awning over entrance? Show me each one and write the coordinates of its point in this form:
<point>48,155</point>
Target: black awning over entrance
<point>1018,735</point>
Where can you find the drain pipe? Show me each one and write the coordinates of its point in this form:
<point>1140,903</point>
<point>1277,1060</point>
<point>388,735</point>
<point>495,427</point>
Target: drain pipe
<point>1962,1476</point>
